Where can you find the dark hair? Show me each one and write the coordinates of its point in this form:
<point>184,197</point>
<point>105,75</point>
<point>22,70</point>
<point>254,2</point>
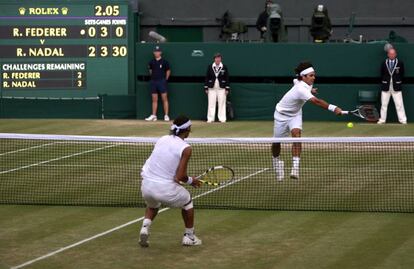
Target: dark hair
<point>302,66</point>
<point>180,120</point>
<point>268,2</point>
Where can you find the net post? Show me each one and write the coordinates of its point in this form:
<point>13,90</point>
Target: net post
<point>102,105</point>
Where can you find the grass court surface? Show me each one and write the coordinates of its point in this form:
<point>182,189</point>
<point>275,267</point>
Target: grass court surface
<point>231,238</point>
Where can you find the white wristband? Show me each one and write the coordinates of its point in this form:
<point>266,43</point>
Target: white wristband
<point>189,181</point>
<point>332,108</point>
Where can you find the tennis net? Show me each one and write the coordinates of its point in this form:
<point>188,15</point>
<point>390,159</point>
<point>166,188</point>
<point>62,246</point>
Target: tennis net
<point>336,174</point>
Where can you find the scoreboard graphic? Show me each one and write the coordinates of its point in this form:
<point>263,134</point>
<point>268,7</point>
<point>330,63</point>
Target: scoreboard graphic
<point>64,45</point>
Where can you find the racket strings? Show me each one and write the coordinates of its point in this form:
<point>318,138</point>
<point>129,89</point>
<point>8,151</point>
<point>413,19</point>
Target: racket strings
<point>218,176</point>
<point>369,113</point>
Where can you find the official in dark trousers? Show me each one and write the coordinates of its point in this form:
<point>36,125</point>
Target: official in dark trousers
<point>160,72</point>
<point>392,73</point>
<point>217,87</point>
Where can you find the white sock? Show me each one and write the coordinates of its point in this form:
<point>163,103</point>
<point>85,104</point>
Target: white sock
<point>296,161</point>
<point>189,231</point>
<point>276,161</point>
<point>146,223</point>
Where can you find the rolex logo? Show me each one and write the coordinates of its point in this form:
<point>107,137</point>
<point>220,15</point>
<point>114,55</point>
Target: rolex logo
<point>65,10</point>
<point>22,11</point>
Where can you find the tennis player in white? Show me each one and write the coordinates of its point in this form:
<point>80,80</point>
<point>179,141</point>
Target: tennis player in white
<point>162,174</point>
<point>288,116</point>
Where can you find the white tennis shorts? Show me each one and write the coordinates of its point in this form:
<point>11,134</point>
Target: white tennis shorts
<point>285,124</point>
<point>172,194</point>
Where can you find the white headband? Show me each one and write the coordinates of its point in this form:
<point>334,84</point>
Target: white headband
<point>307,71</point>
<point>181,127</point>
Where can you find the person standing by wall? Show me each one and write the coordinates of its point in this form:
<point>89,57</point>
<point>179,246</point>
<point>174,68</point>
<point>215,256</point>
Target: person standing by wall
<point>261,23</point>
<point>392,73</point>
<point>217,87</point>
<point>160,72</point>
<point>270,23</point>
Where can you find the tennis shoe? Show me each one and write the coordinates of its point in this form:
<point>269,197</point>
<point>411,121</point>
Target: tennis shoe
<point>295,173</point>
<point>151,118</point>
<point>191,240</point>
<point>143,237</point>
<point>166,118</point>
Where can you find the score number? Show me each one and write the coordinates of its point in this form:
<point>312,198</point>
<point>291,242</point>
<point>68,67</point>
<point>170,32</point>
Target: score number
<point>107,51</point>
<point>79,76</point>
<point>104,31</point>
<point>107,11</point>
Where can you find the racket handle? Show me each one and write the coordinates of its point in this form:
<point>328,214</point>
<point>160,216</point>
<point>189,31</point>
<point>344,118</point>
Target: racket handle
<point>345,112</point>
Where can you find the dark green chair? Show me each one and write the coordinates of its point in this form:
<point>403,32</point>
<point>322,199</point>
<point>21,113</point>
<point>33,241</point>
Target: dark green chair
<point>368,97</point>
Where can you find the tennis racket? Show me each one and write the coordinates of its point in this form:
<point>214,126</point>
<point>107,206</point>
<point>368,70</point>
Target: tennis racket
<point>217,175</point>
<point>366,112</point>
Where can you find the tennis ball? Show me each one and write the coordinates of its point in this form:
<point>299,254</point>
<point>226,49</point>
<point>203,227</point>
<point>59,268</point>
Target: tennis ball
<point>350,125</point>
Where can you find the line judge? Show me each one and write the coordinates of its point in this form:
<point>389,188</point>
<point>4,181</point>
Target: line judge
<point>217,87</point>
<point>392,73</point>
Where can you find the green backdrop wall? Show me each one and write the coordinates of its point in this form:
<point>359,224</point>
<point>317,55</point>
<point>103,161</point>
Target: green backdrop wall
<point>50,108</point>
<point>102,107</point>
<point>356,67</point>
<point>257,101</point>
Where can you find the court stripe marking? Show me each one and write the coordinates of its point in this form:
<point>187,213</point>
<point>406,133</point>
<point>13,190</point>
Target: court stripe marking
<point>25,149</point>
<point>134,168</point>
<point>129,223</point>
<point>55,159</point>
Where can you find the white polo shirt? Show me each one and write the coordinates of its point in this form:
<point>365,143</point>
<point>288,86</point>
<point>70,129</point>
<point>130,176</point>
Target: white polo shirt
<point>162,165</point>
<point>292,102</point>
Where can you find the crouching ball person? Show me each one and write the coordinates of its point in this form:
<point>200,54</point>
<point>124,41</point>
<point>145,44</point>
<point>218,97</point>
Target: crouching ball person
<point>162,174</point>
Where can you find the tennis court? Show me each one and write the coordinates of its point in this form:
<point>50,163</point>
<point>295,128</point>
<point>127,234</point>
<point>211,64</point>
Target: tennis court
<point>232,238</point>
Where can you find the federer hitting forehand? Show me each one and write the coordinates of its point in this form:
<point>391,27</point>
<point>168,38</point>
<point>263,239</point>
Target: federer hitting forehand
<point>162,173</point>
<point>288,116</point>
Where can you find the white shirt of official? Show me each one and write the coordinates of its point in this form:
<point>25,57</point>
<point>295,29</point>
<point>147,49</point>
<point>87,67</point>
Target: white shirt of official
<point>292,102</point>
<point>162,165</point>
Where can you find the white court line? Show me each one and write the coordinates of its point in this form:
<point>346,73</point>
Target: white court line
<point>371,170</point>
<point>29,148</point>
<point>128,223</point>
<point>55,159</point>
<point>111,166</point>
<point>133,168</point>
